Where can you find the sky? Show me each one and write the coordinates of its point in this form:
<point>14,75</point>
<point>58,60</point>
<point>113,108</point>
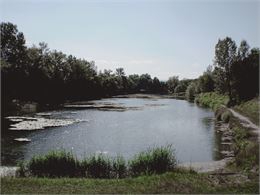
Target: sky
<point>161,37</point>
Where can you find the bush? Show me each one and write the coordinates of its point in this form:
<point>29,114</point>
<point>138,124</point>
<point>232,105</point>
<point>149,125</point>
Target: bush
<point>153,161</point>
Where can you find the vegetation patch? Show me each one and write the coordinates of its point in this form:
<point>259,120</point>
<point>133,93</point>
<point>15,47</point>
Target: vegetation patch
<point>246,151</point>
<point>153,161</point>
<point>171,182</point>
<point>211,100</point>
<point>250,109</point>
<point>64,164</point>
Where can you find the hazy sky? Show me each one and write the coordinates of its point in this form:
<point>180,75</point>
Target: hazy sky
<point>160,37</point>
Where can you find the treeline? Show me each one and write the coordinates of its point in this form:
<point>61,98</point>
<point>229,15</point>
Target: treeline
<point>51,77</point>
<point>235,73</point>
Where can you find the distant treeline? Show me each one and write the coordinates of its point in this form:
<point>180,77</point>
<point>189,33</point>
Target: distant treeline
<point>50,77</point>
<point>38,74</point>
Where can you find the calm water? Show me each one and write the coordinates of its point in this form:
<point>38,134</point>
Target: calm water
<point>187,127</point>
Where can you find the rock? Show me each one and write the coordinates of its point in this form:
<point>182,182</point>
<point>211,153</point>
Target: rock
<point>22,139</point>
<point>225,139</point>
<point>8,171</point>
<point>228,153</point>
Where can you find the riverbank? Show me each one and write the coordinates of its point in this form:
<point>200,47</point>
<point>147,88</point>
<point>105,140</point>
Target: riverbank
<point>241,133</point>
<point>239,175</point>
<point>171,182</point>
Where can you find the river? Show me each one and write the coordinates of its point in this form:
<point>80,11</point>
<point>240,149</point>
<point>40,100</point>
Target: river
<point>124,126</point>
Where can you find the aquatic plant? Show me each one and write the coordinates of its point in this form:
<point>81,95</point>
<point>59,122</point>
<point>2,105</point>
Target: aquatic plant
<point>64,164</point>
<point>153,161</point>
<point>54,164</point>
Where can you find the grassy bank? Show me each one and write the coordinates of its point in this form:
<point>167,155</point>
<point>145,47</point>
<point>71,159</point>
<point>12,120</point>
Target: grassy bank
<point>171,182</point>
<point>250,109</point>
<point>211,100</point>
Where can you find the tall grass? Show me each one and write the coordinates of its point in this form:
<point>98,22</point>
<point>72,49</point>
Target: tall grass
<point>153,161</point>
<point>64,164</point>
<point>54,164</point>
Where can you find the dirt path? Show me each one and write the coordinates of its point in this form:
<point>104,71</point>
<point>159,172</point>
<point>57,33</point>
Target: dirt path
<point>244,121</point>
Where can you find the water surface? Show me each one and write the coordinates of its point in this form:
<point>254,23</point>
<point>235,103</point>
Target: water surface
<point>156,122</point>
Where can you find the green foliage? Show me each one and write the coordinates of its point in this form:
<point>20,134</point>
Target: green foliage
<point>205,82</point>
<point>119,167</point>
<point>212,100</point>
<point>155,161</point>
<point>172,83</point>
<point>246,151</point>
<point>250,109</point>
<point>168,183</point>
<point>225,56</point>
<point>51,77</point>
<point>54,164</point>
<point>182,85</point>
<point>191,91</point>
<point>98,166</point>
<point>64,164</point>
<point>236,70</point>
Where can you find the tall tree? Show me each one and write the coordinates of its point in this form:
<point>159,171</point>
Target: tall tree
<point>225,56</point>
<point>243,50</point>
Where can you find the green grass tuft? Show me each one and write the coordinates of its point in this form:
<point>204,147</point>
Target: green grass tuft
<point>155,161</point>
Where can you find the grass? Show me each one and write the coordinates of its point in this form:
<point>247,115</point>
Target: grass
<point>64,164</point>
<point>54,164</point>
<point>250,109</point>
<point>153,161</point>
<point>211,100</point>
<point>170,182</point>
<point>246,150</point>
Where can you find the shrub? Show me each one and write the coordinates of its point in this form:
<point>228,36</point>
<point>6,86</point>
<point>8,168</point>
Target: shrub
<point>153,161</point>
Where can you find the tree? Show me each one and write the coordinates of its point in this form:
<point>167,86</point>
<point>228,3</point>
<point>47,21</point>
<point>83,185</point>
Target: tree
<point>156,87</point>
<point>225,56</point>
<point>13,49</point>
<point>172,83</point>
<point>243,50</point>
<point>245,76</point>
<point>205,82</point>
<point>191,91</point>
<point>13,55</point>
<point>120,72</point>
<point>145,82</point>
<point>182,85</point>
